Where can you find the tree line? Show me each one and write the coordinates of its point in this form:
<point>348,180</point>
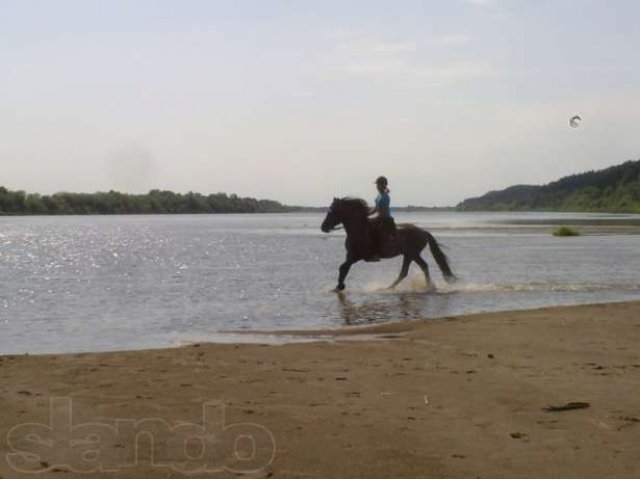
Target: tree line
<point>615,189</point>
<point>18,202</point>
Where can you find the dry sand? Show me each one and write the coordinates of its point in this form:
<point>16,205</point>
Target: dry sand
<point>451,397</point>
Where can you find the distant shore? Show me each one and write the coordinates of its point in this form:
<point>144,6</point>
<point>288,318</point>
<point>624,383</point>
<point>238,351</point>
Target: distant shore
<point>458,396</point>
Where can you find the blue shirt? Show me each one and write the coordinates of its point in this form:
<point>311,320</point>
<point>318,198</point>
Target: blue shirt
<point>382,204</point>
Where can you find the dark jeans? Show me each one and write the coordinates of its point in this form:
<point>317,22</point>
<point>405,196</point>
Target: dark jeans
<point>383,230</point>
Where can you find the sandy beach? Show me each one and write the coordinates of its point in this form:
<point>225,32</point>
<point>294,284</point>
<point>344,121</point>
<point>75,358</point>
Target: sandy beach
<point>463,396</point>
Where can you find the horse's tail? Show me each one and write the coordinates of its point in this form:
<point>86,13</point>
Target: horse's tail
<point>441,258</point>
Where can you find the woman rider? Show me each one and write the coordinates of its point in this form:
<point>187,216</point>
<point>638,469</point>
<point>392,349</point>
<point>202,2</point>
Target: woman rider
<point>383,225</point>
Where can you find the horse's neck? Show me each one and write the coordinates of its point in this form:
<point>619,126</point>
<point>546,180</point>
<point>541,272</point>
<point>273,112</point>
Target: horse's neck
<point>356,227</point>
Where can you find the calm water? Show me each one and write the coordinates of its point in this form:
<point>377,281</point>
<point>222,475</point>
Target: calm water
<point>89,283</point>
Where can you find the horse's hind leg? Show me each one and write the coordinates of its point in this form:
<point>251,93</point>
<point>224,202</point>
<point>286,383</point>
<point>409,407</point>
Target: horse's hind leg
<point>425,268</point>
<point>403,272</point>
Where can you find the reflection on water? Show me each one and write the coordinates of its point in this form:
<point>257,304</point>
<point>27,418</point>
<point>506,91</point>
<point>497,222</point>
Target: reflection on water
<point>102,283</point>
<point>400,306</point>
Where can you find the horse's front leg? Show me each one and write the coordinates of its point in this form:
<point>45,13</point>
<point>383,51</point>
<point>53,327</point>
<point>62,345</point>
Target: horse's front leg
<point>344,270</point>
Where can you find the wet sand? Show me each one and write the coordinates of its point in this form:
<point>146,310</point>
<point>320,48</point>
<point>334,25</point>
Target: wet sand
<point>459,396</point>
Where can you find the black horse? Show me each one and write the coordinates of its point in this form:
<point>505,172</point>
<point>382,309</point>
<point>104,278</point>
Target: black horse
<point>408,241</point>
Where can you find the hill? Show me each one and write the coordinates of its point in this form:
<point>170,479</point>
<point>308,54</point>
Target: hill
<point>614,189</point>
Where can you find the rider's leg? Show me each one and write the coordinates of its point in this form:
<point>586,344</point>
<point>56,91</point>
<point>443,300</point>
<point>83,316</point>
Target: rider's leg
<point>375,226</point>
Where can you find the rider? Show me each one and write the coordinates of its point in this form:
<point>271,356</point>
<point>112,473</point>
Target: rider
<point>383,224</point>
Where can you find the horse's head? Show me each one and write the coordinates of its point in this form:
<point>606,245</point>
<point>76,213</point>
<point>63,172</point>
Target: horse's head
<point>333,218</point>
<point>344,210</point>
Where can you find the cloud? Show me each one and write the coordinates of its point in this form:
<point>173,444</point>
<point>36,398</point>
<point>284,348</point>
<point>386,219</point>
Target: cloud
<point>458,72</point>
<point>439,75</point>
<point>401,61</point>
<point>373,47</point>
<point>496,11</point>
<point>454,40</point>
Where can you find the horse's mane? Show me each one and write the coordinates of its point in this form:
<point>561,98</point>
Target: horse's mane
<point>357,203</point>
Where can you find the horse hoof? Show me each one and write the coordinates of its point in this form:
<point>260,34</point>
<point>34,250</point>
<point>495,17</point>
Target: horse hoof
<point>339,288</point>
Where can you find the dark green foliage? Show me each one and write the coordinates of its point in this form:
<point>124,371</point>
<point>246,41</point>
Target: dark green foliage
<point>614,189</point>
<point>565,232</point>
<point>156,201</point>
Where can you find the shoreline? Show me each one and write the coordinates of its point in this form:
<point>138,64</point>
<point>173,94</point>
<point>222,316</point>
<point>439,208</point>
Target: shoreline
<point>401,326</point>
<point>449,397</point>
<point>359,332</point>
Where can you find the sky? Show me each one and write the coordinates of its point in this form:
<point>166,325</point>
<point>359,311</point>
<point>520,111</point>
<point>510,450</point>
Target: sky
<point>301,101</point>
